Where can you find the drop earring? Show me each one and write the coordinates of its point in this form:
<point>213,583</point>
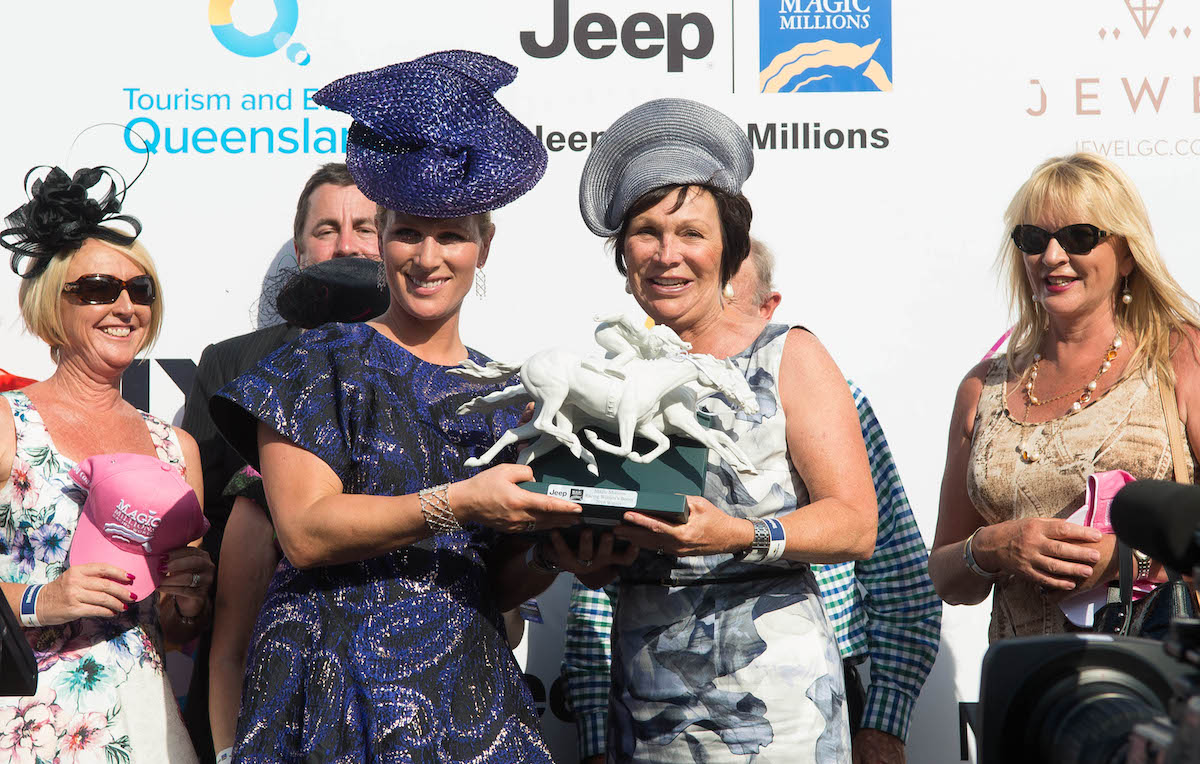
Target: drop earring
<point>379,278</point>
<point>1126,295</point>
<point>628,288</point>
<point>728,291</point>
<point>480,283</point>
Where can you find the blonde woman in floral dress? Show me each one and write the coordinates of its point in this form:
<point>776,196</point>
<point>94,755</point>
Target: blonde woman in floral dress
<point>92,294</point>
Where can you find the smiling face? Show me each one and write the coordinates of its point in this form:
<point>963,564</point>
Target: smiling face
<point>104,338</point>
<point>431,262</point>
<point>673,259</point>
<point>340,223</point>
<point>1074,286</point>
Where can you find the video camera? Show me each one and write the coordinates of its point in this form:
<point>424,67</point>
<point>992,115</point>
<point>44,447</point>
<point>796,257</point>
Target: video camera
<point>1099,698</point>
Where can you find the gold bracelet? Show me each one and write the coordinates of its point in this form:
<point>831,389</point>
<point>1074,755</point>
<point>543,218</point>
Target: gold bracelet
<point>435,508</point>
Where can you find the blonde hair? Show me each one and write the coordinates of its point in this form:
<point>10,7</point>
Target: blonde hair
<point>40,297</point>
<point>1091,186</point>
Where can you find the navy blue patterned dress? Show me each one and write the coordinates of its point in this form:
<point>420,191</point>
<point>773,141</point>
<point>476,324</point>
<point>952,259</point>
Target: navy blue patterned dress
<point>399,658</point>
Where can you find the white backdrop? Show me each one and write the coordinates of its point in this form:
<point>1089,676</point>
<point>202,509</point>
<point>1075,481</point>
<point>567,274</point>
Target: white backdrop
<point>886,252</point>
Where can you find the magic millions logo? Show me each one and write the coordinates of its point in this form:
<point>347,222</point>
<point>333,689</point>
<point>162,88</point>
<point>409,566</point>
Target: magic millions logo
<point>809,46</point>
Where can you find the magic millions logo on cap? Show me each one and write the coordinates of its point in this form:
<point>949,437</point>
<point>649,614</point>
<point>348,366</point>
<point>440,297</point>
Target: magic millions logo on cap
<point>824,46</point>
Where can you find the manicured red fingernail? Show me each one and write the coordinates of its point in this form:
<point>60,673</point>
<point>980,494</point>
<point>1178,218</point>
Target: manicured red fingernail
<point>133,596</point>
<point>131,577</point>
<point>126,607</point>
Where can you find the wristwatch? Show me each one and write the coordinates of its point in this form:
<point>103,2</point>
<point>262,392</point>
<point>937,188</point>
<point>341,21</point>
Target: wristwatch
<point>535,560</point>
<point>1143,565</point>
<point>760,545</point>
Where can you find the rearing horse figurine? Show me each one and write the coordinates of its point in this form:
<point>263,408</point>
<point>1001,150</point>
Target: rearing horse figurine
<point>650,398</point>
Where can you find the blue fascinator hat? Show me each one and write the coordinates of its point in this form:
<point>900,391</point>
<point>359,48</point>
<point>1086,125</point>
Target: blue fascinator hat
<point>429,137</point>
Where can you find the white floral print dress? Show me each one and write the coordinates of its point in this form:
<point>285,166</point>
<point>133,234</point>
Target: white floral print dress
<point>102,694</point>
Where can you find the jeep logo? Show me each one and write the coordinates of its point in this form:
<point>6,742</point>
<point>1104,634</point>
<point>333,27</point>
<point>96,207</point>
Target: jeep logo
<point>642,36</point>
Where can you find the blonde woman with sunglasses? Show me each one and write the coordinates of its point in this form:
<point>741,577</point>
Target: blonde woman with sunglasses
<point>90,291</point>
<point>1100,324</point>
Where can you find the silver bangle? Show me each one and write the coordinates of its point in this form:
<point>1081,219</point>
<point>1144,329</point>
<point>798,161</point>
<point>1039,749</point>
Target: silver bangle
<point>435,508</point>
<point>969,558</point>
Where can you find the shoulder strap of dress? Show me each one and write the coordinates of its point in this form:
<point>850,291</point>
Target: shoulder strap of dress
<point>27,423</point>
<point>1166,393</point>
<point>166,445</point>
<point>992,395</point>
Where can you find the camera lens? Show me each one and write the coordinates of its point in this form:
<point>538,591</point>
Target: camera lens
<point>1091,724</point>
<point>1069,699</point>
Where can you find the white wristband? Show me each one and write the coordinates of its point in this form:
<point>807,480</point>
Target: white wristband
<point>226,756</point>
<point>29,617</point>
<point>778,540</point>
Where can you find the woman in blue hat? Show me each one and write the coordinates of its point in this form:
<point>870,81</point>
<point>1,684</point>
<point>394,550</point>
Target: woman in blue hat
<point>380,637</point>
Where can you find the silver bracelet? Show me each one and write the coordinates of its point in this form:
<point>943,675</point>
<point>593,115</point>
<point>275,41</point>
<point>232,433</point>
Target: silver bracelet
<point>761,545</point>
<point>435,508</point>
<point>969,559</point>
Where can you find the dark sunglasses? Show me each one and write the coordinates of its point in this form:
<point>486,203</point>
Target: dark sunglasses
<point>1075,239</point>
<point>102,289</point>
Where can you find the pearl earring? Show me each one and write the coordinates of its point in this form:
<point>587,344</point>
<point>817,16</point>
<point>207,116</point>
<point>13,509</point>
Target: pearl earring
<point>480,283</point>
<point>628,288</point>
<point>728,291</point>
<point>1126,295</point>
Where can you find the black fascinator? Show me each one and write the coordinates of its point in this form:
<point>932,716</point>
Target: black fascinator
<point>61,213</point>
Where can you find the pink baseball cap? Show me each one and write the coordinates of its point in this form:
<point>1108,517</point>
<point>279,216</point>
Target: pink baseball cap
<point>138,509</point>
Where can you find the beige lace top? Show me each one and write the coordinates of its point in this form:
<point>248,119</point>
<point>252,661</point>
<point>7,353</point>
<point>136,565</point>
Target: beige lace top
<point>1124,429</point>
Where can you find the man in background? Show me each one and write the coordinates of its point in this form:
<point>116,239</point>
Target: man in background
<point>333,219</point>
<point>883,609</point>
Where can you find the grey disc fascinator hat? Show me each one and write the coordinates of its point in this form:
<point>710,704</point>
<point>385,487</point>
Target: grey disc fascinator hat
<point>429,137</point>
<point>666,142</point>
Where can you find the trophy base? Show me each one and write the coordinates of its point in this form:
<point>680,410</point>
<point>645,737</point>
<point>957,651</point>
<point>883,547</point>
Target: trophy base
<point>658,489</point>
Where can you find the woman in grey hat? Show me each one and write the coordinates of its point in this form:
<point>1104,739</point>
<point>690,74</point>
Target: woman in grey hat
<point>721,647</point>
<point>380,636</point>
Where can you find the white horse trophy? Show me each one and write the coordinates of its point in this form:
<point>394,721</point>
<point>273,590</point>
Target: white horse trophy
<point>648,385</point>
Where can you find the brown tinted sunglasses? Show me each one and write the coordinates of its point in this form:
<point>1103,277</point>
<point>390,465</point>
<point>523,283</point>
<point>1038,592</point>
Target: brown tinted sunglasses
<point>103,289</point>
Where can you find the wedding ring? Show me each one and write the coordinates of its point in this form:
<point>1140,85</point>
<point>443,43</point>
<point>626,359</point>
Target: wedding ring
<point>661,552</point>
<point>585,563</point>
<point>195,580</point>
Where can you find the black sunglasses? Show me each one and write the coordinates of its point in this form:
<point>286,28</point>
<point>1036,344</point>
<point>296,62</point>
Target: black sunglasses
<point>1075,239</point>
<point>102,289</point>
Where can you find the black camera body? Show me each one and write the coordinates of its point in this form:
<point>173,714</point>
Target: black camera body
<point>1081,698</point>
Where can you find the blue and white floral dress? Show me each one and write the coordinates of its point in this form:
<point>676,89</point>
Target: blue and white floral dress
<point>718,660</point>
<point>102,693</point>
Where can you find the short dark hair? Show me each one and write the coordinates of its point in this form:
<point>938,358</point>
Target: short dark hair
<point>733,210</point>
<point>334,173</point>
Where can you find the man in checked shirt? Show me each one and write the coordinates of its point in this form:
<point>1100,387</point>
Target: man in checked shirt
<point>883,608</point>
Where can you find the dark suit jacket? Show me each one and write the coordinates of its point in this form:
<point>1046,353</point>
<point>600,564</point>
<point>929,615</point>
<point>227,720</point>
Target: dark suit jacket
<point>220,364</point>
